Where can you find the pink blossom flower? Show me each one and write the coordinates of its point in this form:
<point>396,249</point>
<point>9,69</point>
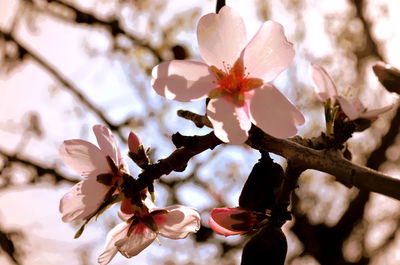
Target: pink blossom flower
<point>234,76</point>
<point>232,221</point>
<point>90,161</point>
<point>352,107</point>
<point>140,229</point>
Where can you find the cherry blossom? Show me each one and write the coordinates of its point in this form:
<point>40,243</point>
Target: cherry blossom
<point>141,228</point>
<point>103,169</point>
<point>232,221</point>
<point>352,107</point>
<point>234,76</point>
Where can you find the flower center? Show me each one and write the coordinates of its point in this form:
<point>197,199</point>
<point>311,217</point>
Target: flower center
<point>232,83</point>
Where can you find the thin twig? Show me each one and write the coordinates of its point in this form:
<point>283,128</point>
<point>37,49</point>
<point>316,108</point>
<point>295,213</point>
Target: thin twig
<point>199,120</point>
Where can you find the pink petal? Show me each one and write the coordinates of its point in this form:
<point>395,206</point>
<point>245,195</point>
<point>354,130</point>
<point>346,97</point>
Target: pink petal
<point>221,37</point>
<point>221,221</point>
<point>268,53</point>
<point>373,114</point>
<point>272,112</point>
<point>231,124</point>
<point>221,230</point>
<point>183,80</point>
<point>83,200</point>
<point>352,107</point>
<point>83,157</point>
<point>323,83</point>
<point>178,222</point>
<point>107,143</point>
<point>117,233</point>
<point>133,142</point>
<point>140,238</point>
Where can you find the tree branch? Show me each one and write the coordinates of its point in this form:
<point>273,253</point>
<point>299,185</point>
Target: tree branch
<point>112,25</point>
<point>329,161</point>
<point>40,170</point>
<point>65,82</point>
<point>370,47</point>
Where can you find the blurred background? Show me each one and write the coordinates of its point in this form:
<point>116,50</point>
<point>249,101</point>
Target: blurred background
<point>67,65</point>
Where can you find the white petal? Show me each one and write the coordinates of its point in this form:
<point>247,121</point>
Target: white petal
<point>373,114</point>
<point>268,53</point>
<point>183,80</point>
<point>117,233</point>
<point>351,107</point>
<point>107,143</point>
<point>178,222</point>
<point>82,200</point>
<point>221,37</point>
<point>324,86</point>
<point>231,124</point>
<point>140,238</point>
<point>83,157</point>
<point>272,112</point>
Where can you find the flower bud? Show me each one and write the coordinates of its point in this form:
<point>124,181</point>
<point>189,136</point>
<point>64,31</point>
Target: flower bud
<point>388,75</point>
<point>267,246</point>
<point>133,142</point>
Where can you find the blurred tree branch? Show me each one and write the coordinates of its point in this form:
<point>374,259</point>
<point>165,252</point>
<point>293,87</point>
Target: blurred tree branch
<point>8,246</point>
<point>370,47</point>
<point>39,169</point>
<point>113,25</point>
<point>65,82</point>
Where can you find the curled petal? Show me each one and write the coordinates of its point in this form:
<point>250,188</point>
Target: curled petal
<point>183,80</point>
<point>221,221</point>
<point>140,238</point>
<point>221,37</point>
<point>373,114</point>
<point>83,157</point>
<point>107,143</point>
<point>178,222</point>
<point>116,234</point>
<point>268,53</point>
<point>323,83</point>
<point>272,112</point>
<point>83,200</point>
<point>231,123</point>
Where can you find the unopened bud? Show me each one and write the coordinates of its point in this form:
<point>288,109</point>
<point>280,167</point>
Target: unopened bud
<point>267,246</point>
<point>388,75</point>
<point>133,142</point>
<point>136,150</point>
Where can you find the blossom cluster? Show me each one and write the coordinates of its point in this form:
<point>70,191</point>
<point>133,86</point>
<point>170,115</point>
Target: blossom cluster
<point>235,76</point>
<point>104,171</point>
